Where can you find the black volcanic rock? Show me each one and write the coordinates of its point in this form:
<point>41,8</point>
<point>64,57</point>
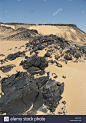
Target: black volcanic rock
<point>7,68</point>
<point>77,55</point>
<point>23,35</point>
<point>22,90</point>
<point>41,81</point>
<point>15,55</point>
<point>40,47</point>
<point>68,57</point>
<point>42,72</point>
<point>64,77</point>
<point>2,61</point>
<point>57,57</point>
<point>52,94</point>
<point>35,61</point>
<point>2,55</point>
<point>33,70</point>
<point>47,55</point>
<point>19,91</point>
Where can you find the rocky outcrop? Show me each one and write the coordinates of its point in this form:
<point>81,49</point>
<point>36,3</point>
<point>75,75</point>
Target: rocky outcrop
<point>33,70</point>
<point>67,57</point>
<point>52,94</point>
<point>34,62</point>
<point>62,49</point>
<point>22,92</point>
<point>77,55</point>
<point>24,35</point>
<point>15,55</point>
<point>7,68</point>
<point>5,29</point>
<point>47,55</point>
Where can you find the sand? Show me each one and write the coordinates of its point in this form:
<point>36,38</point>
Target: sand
<point>75,82</point>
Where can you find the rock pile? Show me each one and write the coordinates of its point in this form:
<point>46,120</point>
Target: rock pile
<point>5,29</point>
<point>24,35</point>
<point>52,94</point>
<point>56,46</point>
<point>15,55</point>
<point>34,64</point>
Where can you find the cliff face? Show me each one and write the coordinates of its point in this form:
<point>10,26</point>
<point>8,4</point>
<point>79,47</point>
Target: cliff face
<point>69,32</point>
<point>72,25</point>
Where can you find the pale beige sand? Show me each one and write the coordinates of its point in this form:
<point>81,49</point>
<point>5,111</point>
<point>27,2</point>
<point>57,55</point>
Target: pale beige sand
<point>62,31</point>
<point>74,91</point>
<point>75,83</point>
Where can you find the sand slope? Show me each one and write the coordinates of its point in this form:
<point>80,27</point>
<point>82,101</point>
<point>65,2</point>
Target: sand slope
<point>75,82</point>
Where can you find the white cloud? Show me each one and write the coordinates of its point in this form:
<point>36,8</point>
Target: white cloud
<point>18,0</point>
<point>69,0</point>
<point>44,0</point>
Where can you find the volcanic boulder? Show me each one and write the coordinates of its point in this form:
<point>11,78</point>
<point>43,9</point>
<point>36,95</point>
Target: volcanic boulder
<point>7,68</point>
<point>52,94</point>
<point>35,61</point>
<point>15,55</point>
<point>20,90</point>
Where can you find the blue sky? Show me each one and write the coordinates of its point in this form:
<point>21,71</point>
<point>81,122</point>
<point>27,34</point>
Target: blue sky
<point>44,11</point>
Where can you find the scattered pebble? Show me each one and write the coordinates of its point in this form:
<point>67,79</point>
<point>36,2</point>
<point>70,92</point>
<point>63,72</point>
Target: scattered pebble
<point>55,76</point>
<point>64,102</point>
<point>64,77</point>
<point>58,83</point>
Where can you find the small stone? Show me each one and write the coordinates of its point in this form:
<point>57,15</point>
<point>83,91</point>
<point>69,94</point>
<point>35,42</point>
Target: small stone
<point>42,72</point>
<point>48,73</point>
<point>57,57</point>
<point>40,47</point>
<point>77,55</point>
<point>59,112</point>
<point>26,57</point>
<point>36,52</point>
<point>64,77</point>
<point>55,76</point>
<point>31,52</point>
<point>58,83</point>
<point>68,57</point>
<point>47,54</point>
<point>64,102</point>
<point>59,65</point>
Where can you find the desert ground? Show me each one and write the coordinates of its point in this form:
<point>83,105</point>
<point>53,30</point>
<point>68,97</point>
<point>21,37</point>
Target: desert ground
<point>58,81</point>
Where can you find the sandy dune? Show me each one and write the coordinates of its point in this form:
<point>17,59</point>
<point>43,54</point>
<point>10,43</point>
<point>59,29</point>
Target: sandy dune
<point>74,93</point>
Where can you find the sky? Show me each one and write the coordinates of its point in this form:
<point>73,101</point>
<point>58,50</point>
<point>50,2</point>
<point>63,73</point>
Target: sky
<point>44,12</point>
